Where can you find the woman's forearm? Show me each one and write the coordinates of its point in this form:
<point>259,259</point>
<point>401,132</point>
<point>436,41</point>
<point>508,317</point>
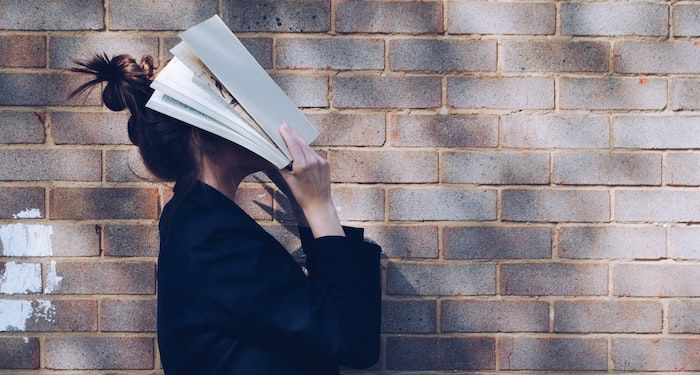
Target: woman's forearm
<point>323,220</point>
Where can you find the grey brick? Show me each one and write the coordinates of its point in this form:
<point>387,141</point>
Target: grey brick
<point>104,278</point>
<point>500,93</point>
<point>482,17</point>
<point>304,91</point>
<point>555,131</point>
<point>684,242</point>
<point>405,241</point>
<point>497,242</point>
<point>443,130</point>
<point>21,127</point>
<point>612,93</point>
<point>126,166</point>
<point>494,316</point>
<point>52,15</point>
<point>122,315</point>
<point>607,316</point>
<point>454,55</point>
<point>684,316</point>
<point>521,353</point>
<point>64,48</point>
<point>19,352</point>
<point>279,15</point>
<point>554,56</point>
<point>43,315</point>
<point>408,316</point>
<point>656,280</point>
<point>23,89</point>
<point>147,15</point>
<point>685,94</point>
<point>330,53</point>
<point>15,200</point>
<point>686,19</point>
<point>50,165</point>
<point>682,169</point>
<point>23,51</point>
<point>70,352</point>
<point>619,242</point>
<point>388,16</point>
<point>491,167</point>
<point>441,279</point>
<point>659,205</point>
<point>554,279</point>
<point>103,203</point>
<point>90,127</point>
<point>656,57</point>
<point>657,132</point>
<point>555,205</point>
<point>359,203</point>
<point>606,168</point>
<point>440,353</point>
<point>656,354</point>
<point>69,240</point>
<point>259,47</point>
<point>614,18</point>
<point>441,204</point>
<point>130,240</point>
<point>383,166</point>
<point>386,92</point>
<point>348,129</point>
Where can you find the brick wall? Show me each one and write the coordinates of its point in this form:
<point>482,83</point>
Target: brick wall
<point>529,168</point>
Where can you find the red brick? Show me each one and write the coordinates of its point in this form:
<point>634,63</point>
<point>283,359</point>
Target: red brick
<point>15,201</point>
<point>656,354</point>
<point>19,352</point>
<point>345,129</point>
<point>26,51</point>
<point>415,241</point>
<point>103,278</point>
<point>108,353</point>
<point>43,315</point>
<point>53,15</point>
<point>22,127</point>
<point>131,240</point>
<point>684,316</point>
<point>50,165</point>
<point>103,203</point>
<point>408,316</point>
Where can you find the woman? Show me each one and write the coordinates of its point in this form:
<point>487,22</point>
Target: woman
<point>231,299</point>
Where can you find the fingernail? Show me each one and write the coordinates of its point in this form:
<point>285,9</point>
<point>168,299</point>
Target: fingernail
<point>284,125</point>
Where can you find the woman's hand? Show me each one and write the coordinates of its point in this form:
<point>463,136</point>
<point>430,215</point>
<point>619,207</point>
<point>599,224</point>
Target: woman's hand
<point>276,177</point>
<point>310,184</point>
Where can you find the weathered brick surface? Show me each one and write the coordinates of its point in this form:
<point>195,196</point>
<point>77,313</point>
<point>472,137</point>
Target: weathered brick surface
<point>553,354</point>
<point>685,94</point>
<point>82,353</point>
<point>557,279</point>
<point>497,242</point>
<point>529,169</point>
<point>386,92</point>
<point>441,279</point>
<point>554,56</point>
<point>23,51</point>
<point>52,15</point>
<point>657,57</point>
<point>481,17</point>
<point>614,18</point>
<point>494,316</point>
<point>388,16</point>
<point>605,168</point>
<point>647,354</point>
<point>330,53</point>
<point>611,242</point>
<point>21,127</point>
<point>282,16</point>
<point>607,316</point>
<point>555,205</point>
<point>666,280</point>
<point>500,93</point>
<point>455,55</point>
<point>453,353</point>
<point>443,130</point>
<point>612,93</point>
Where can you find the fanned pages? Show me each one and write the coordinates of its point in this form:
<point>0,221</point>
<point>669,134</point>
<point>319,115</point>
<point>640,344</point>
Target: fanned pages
<point>214,83</point>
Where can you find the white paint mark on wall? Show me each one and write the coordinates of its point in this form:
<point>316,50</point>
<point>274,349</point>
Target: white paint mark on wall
<point>20,278</point>
<point>52,278</point>
<point>21,240</point>
<point>15,314</point>
<point>26,340</point>
<point>30,213</point>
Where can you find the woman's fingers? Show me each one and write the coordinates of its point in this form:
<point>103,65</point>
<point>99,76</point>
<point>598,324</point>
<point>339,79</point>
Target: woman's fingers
<point>293,145</point>
<point>310,154</point>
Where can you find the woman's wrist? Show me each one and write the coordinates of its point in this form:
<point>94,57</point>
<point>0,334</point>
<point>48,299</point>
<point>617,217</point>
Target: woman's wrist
<point>323,219</point>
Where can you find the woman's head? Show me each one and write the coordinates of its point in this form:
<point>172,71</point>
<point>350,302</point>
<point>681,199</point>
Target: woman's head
<point>171,149</point>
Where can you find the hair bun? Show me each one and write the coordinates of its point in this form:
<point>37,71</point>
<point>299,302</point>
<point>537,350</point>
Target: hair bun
<point>127,82</point>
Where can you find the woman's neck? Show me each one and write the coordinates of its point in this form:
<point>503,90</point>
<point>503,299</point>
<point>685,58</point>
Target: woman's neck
<point>225,180</point>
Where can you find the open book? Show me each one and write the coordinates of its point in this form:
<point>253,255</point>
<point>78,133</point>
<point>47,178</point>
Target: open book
<point>215,84</point>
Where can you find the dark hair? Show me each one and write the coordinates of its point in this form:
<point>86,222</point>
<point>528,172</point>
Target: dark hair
<point>170,149</point>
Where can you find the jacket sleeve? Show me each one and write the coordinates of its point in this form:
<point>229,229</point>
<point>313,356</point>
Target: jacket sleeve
<point>258,294</point>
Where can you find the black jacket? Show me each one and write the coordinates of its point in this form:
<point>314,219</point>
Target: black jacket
<point>232,300</point>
